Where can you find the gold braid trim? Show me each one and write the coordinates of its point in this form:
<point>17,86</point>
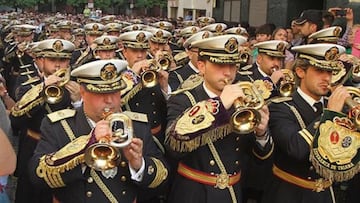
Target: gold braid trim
<point>131,94</point>
<point>28,101</point>
<point>51,174</point>
<point>17,112</point>
<point>267,155</point>
<point>332,175</point>
<point>201,140</point>
<point>161,173</point>
<point>103,187</point>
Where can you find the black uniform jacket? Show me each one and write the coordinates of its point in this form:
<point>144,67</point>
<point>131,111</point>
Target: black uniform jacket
<point>176,77</point>
<point>291,153</point>
<point>196,155</point>
<point>79,184</point>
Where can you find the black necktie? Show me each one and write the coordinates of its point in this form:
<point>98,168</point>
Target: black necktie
<point>319,108</point>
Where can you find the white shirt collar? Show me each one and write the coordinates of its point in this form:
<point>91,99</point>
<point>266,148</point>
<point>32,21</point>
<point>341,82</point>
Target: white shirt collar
<point>192,66</point>
<point>208,92</point>
<point>261,72</point>
<point>309,99</point>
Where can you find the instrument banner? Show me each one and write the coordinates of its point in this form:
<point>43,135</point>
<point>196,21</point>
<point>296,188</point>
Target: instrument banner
<point>335,151</point>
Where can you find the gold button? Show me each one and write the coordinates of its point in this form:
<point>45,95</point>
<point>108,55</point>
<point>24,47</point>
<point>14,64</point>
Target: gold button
<point>153,93</point>
<point>155,122</point>
<point>237,162</point>
<point>90,180</point>
<point>154,112</point>
<point>309,178</point>
<point>137,104</point>
<point>212,162</point>
<point>311,168</point>
<point>153,103</point>
<point>123,178</point>
<point>88,194</point>
<point>123,164</point>
<point>237,149</point>
<point>123,192</point>
<point>212,173</point>
<point>237,138</point>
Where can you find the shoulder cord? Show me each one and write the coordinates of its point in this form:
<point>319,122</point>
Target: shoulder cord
<point>214,152</point>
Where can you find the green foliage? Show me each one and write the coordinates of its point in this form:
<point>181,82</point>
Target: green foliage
<point>150,3</point>
<point>76,3</point>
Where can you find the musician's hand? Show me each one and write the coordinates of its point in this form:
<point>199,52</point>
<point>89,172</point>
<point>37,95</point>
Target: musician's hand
<point>134,153</point>
<point>230,93</point>
<point>276,76</point>
<point>140,66</point>
<point>337,98</point>
<point>163,77</point>
<point>263,126</point>
<point>52,79</point>
<point>74,90</point>
<point>102,130</point>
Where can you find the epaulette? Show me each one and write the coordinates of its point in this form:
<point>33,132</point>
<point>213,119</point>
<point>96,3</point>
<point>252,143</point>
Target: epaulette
<point>28,101</point>
<point>281,99</point>
<point>61,114</point>
<point>30,81</point>
<point>191,82</point>
<point>136,116</point>
<point>26,66</point>
<point>245,72</point>
<point>245,68</point>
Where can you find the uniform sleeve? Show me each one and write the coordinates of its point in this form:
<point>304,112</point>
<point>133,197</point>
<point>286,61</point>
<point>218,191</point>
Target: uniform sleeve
<point>57,161</point>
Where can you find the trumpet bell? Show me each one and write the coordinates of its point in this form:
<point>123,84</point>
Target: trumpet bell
<point>101,156</point>
<point>245,121</point>
<point>106,154</point>
<point>53,94</point>
<point>286,89</point>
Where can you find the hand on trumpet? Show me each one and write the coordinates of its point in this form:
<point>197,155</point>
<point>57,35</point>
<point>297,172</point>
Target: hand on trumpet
<point>276,75</point>
<point>74,90</point>
<point>230,93</point>
<point>263,125</point>
<point>140,66</point>
<point>337,98</point>
<point>52,79</point>
<point>134,153</point>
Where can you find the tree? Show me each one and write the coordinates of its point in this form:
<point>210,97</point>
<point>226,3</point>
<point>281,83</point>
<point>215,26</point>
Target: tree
<point>149,4</point>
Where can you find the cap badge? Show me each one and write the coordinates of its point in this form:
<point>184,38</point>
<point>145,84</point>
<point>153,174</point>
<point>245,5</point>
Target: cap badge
<point>135,27</point>
<point>205,35</point>
<point>238,31</point>
<point>193,30</point>
<point>281,47</point>
<point>161,25</point>
<point>231,45</point>
<point>140,37</point>
<point>95,27</point>
<point>337,32</point>
<point>332,54</point>
<point>159,34</point>
<point>106,41</point>
<point>206,20</point>
<point>218,28</point>
<point>58,46</point>
<point>108,72</point>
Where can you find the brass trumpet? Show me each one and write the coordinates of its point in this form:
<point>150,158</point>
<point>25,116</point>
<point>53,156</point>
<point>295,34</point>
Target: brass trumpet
<point>54,93</point>
<point>149,77</point>
<point>354,105</point>
<point>105,154</point>
<point>245,56</point>
<point>287,84</point>
<point>246,116</point>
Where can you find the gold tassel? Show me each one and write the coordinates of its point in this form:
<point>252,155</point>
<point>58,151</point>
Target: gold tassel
<point>16,112</point>
<point>201,140</point>
<point>131,94</point>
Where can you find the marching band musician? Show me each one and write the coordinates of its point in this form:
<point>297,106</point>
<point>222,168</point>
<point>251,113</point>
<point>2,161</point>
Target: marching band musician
<point>28,112</point>
<point>58,162</point>
<point>294,121</point>
<point>199,134</point>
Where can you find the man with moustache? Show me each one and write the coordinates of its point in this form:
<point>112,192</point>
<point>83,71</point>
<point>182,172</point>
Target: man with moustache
<point>140,166</point>
<point>294,121</point>
<point>269,62</point>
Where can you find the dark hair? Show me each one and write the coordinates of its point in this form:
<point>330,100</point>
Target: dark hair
<point>276,30</point>
<point>328,18</point>
<point>265,29</point>
<point>301,63</point>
